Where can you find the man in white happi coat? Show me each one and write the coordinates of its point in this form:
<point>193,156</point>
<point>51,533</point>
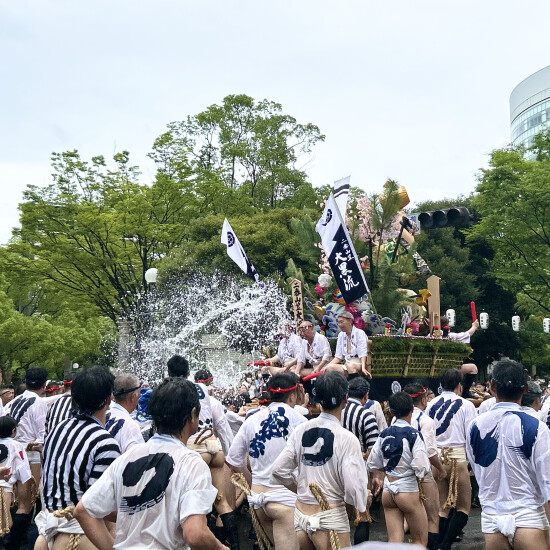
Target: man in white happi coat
<point>290,354</point>
<point>213,437</point>
<point>329,456</point>
<point>509,450</point>
<point>451,414</point>
<point>161,491</point>
<point>375,408</point>
<point>263,437</point>
<point>426,426</point>
<point>351,348</point>
<point>401,453</point>
<point>316,349</point>
<point>120,423</point>
<point>29,410</point>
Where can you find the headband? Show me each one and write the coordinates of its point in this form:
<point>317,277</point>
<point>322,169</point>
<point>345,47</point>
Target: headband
<point>282,390</point>
<point>53,388</point>
<point>262,401</point>
<point>118,393</point>
<point>205,380</point>
<point>418,393</point>
<point>67,382</point>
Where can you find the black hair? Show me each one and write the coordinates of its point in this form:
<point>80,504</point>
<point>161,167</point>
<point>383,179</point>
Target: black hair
<point>171,405</point>
<point>534,392</point>
<point>401,404</point>
<point>424,382</point>
<point>203,374</point>
<point>283,381</point>
<point>7,425</point>
<point>411,389</point>
<point>69,377</point>
<point>178,366</point>
<point>509,378</point>
<point>331,389</point>
<point>358,388</point>
<point>91,389</point>
<point>450,379</point>
<point>36,377</point>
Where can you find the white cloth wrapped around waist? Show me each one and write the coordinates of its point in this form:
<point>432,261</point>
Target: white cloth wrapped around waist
<point>452,452</point>
<point>7,486</point>
<point>277,496</point>
<point>406,484</point>
<point>507,524</point>
<point>49,526</point>
<point>34,457</point>
<point>334,519</point>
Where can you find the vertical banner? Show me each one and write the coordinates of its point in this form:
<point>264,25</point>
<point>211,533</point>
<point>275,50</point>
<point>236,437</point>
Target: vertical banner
<point>340,252</point>
<point>297,303</point>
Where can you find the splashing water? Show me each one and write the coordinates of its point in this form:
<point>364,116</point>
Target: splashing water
<point>215,321</point>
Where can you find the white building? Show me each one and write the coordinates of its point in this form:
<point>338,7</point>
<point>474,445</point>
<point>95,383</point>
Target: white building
<point>530,107</point>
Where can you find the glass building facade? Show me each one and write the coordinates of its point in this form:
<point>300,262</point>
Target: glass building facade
<point>530,107</point>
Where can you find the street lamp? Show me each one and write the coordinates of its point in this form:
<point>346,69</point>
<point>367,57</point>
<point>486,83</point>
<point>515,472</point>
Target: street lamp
<point>151,275</point>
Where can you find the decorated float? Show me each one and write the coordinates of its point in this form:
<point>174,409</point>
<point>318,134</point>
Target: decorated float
<point>370,268</point>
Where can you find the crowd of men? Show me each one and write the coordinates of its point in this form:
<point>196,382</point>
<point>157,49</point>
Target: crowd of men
<point>88,474</point>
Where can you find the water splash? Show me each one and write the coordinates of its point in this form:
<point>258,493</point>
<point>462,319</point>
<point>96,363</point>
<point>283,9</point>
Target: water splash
<point>216,321</point>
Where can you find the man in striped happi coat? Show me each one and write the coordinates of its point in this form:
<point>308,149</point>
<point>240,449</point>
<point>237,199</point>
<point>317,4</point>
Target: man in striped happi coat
<point>357,419</point>
<point>60,408</point>
<point>362,423</point>
<point>76,453</point>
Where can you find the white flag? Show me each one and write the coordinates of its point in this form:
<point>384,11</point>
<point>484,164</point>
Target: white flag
<point>235,251</point>
<point>341,193</point>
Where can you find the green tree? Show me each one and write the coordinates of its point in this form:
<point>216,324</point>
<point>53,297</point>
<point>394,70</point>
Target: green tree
<point>513,199</point>
<point>93,232</point>
<point>241,153</point>
<point>448,257</point>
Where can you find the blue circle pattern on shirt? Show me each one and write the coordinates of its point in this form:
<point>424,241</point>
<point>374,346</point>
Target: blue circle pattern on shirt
<point>318,444</point>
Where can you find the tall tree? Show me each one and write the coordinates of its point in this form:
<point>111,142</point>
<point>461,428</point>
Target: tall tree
<point>513,199</point>
<point>242,149</point>
<point>93,232</point>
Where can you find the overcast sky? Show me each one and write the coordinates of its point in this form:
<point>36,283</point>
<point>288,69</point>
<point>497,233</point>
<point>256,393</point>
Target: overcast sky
<point>410,89</point>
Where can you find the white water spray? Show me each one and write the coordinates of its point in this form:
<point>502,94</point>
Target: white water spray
<point>216,321</point>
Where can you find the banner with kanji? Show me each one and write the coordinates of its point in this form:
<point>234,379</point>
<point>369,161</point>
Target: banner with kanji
<point>340,252</point>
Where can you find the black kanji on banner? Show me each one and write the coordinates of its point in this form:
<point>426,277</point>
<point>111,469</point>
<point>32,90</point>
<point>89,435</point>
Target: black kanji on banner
<point>347,272</point>
<point>340,253</point>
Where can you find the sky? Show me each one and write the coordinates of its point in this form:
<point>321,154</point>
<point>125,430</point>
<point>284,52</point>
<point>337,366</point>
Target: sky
<point>417,91</point>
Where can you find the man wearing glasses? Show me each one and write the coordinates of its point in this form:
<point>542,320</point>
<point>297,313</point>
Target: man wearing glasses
<point>316,349</point>
<point>120,424</point>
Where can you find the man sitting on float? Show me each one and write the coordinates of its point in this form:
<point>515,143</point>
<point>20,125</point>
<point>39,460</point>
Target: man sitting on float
<point>316,349</point>
<point>290,356</point>
<point>351,348</point>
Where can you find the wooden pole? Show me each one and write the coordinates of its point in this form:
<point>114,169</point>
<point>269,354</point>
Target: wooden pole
<point>434,301</point>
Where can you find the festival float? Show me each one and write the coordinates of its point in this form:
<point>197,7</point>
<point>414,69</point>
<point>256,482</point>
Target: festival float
<point>370,268</point>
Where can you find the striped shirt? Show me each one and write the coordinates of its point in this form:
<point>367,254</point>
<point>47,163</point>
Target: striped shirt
<point>59,410</point>
<point>76,453</point>
<point>361,422</point>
